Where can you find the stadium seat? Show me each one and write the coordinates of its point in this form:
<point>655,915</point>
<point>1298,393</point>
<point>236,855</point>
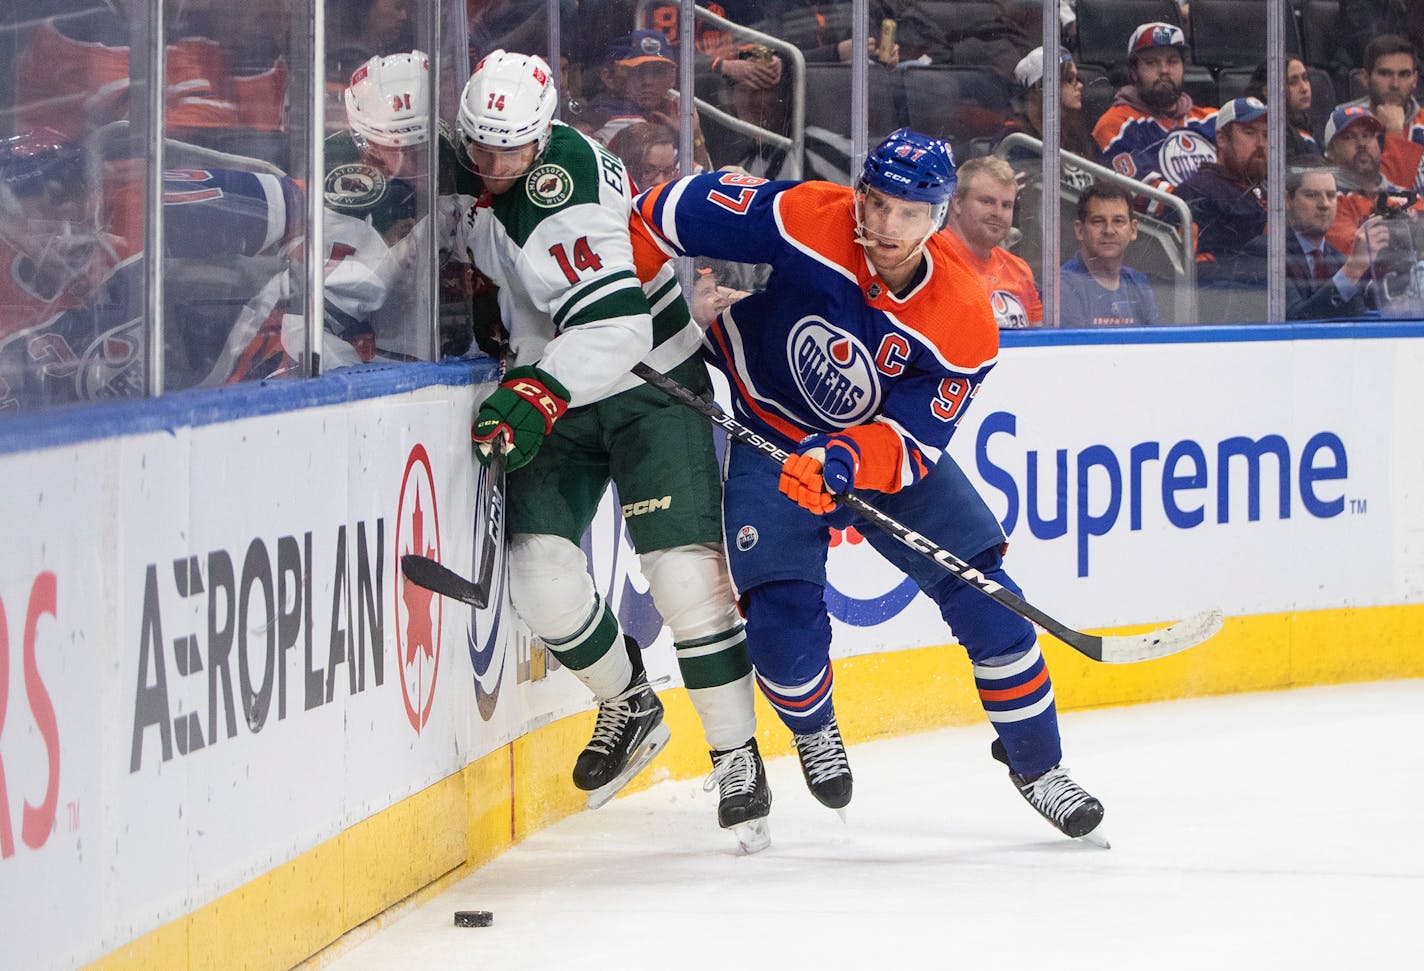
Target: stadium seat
<point>957,103</point>
<point>1232,33</point>
<point>966,32</point>
<point>1104,26</point>
<point>828,100</point>
<point>1317,29</point>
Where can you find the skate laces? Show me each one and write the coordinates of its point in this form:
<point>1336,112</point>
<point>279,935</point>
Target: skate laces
<point>735,771</point>
<point>1056,795</point>
<point>822,754</point>
<point>617,711</point>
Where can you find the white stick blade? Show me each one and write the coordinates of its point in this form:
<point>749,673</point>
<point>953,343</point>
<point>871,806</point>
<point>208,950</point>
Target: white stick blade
<point>1165,641</point>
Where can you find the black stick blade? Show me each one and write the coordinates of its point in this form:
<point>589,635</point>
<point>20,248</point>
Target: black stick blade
<point>425,572</point>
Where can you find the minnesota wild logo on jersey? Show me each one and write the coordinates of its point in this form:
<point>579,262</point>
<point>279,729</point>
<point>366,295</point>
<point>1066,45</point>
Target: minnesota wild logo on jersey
<point>354,186</point>
<point>549,186</point>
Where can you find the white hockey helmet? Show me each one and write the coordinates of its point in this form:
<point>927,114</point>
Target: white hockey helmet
<point>388,100</point>
<point>509,101</point>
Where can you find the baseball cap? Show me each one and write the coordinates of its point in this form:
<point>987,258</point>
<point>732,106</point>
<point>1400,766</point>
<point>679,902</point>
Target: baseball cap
<point>1240,110</point>
<point>1029,71</point>
<point>1155,34</point>
<point>642,47</point>
<point>1345,116</point>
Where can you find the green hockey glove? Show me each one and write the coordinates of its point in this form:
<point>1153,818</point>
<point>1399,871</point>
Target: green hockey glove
<point>522,410</point>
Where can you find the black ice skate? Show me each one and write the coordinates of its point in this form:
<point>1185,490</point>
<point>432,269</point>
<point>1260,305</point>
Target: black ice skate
<point>825,766</point>
<point>1058,799</point>
<point>627,734</point>
<point>744,799</point>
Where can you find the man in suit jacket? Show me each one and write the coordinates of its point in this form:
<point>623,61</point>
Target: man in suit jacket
<point>1321,282</point>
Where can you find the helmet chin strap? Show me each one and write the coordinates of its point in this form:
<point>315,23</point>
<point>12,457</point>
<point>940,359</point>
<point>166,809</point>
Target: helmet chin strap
<point>862,238</point>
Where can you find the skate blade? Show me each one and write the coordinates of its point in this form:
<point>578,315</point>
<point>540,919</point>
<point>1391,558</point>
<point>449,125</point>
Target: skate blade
<point>1095,838</point>
<point>842,814</point>
<point>754,835</point>
<point>646,751</point>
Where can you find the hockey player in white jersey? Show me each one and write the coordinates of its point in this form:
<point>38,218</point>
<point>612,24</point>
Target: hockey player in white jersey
<point>551,231</point>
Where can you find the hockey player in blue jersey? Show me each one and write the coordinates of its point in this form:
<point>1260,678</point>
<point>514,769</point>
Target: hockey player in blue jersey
<point>861,355</point>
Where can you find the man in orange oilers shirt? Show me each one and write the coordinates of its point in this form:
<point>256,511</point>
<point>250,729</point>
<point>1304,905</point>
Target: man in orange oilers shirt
<point>979,221</point>
<point>860,355</point>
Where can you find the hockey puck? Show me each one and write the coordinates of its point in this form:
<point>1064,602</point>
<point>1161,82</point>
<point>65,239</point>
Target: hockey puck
<point>474,918</point>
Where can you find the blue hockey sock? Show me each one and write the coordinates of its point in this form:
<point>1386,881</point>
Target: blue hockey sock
<point>789,637</point>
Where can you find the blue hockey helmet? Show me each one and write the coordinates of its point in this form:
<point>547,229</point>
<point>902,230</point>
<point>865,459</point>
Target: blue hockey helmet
<point>911,166</point>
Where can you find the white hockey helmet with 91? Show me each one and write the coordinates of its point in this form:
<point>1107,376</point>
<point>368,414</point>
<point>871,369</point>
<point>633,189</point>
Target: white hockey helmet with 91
<point>388,100</point>
<point>508,102</point>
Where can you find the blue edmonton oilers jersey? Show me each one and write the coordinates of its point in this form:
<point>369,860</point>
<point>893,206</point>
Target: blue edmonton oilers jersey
<point>826,347</point>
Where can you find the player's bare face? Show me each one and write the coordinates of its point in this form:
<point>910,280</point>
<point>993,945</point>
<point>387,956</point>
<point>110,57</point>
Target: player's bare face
<point>402,163</point>
<point>984,213</point>
<point>892,229</point>
<point>1106,231</point>
<point>501,168</point>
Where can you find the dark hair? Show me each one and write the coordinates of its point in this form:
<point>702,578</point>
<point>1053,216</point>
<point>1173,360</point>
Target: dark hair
<point>1256,87</point>
<point>1386,44</point>
<point>1307,165</point>
<point>1103,190</point>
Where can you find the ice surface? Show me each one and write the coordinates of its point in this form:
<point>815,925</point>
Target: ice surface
<point>1276,830</point>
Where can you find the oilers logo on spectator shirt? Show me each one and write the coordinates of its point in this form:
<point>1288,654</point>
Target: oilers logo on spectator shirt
<point>833,371</point>
<point>1181,154</point>
<point>1008,309</point>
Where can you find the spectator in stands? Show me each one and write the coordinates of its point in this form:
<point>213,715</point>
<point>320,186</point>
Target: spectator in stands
<point>1152,131</point>
<point>1391,75</point>
<point>1098,289</point>
<point>649,149</point>
<point>1360,21</point>
<point>710,296</point>
<point>357,30</point>
<point>1073,127</point>
<point>1321,282</point>
<point>1228,202</point>
<point>1354,144</point>
<point>980,217</point>
<point>1299,140</point>
<point>766,107</point>
<point>638,74</point>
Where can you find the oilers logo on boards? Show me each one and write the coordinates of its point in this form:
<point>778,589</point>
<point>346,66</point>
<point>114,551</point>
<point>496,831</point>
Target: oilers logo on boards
<point>834,372</point>
<point>1009,312</point>
<point>418,611</point>
<point>1181,154</point>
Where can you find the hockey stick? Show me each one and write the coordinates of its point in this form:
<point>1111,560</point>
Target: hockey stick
<point>427,573</point>
<point>1113,649</point>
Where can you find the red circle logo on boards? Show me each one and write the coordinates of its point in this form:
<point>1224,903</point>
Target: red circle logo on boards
<point>418,611</point>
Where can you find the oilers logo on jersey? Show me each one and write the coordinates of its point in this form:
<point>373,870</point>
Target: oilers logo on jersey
<point>1008,309</point>
<point>834,372</point>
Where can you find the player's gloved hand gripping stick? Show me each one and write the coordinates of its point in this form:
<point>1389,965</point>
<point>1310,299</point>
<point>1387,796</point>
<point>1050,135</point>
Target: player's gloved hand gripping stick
<point>1113,649</point>
<point>508,430</point>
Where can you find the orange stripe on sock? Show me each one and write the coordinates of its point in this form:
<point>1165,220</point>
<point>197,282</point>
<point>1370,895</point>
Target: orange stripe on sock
<point>1011,694</point>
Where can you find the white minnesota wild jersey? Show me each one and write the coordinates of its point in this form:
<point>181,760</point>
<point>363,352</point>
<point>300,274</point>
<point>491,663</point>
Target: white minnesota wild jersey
<point>557,247</point>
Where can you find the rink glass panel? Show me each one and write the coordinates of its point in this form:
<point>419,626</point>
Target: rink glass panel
<point>83,317</point>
